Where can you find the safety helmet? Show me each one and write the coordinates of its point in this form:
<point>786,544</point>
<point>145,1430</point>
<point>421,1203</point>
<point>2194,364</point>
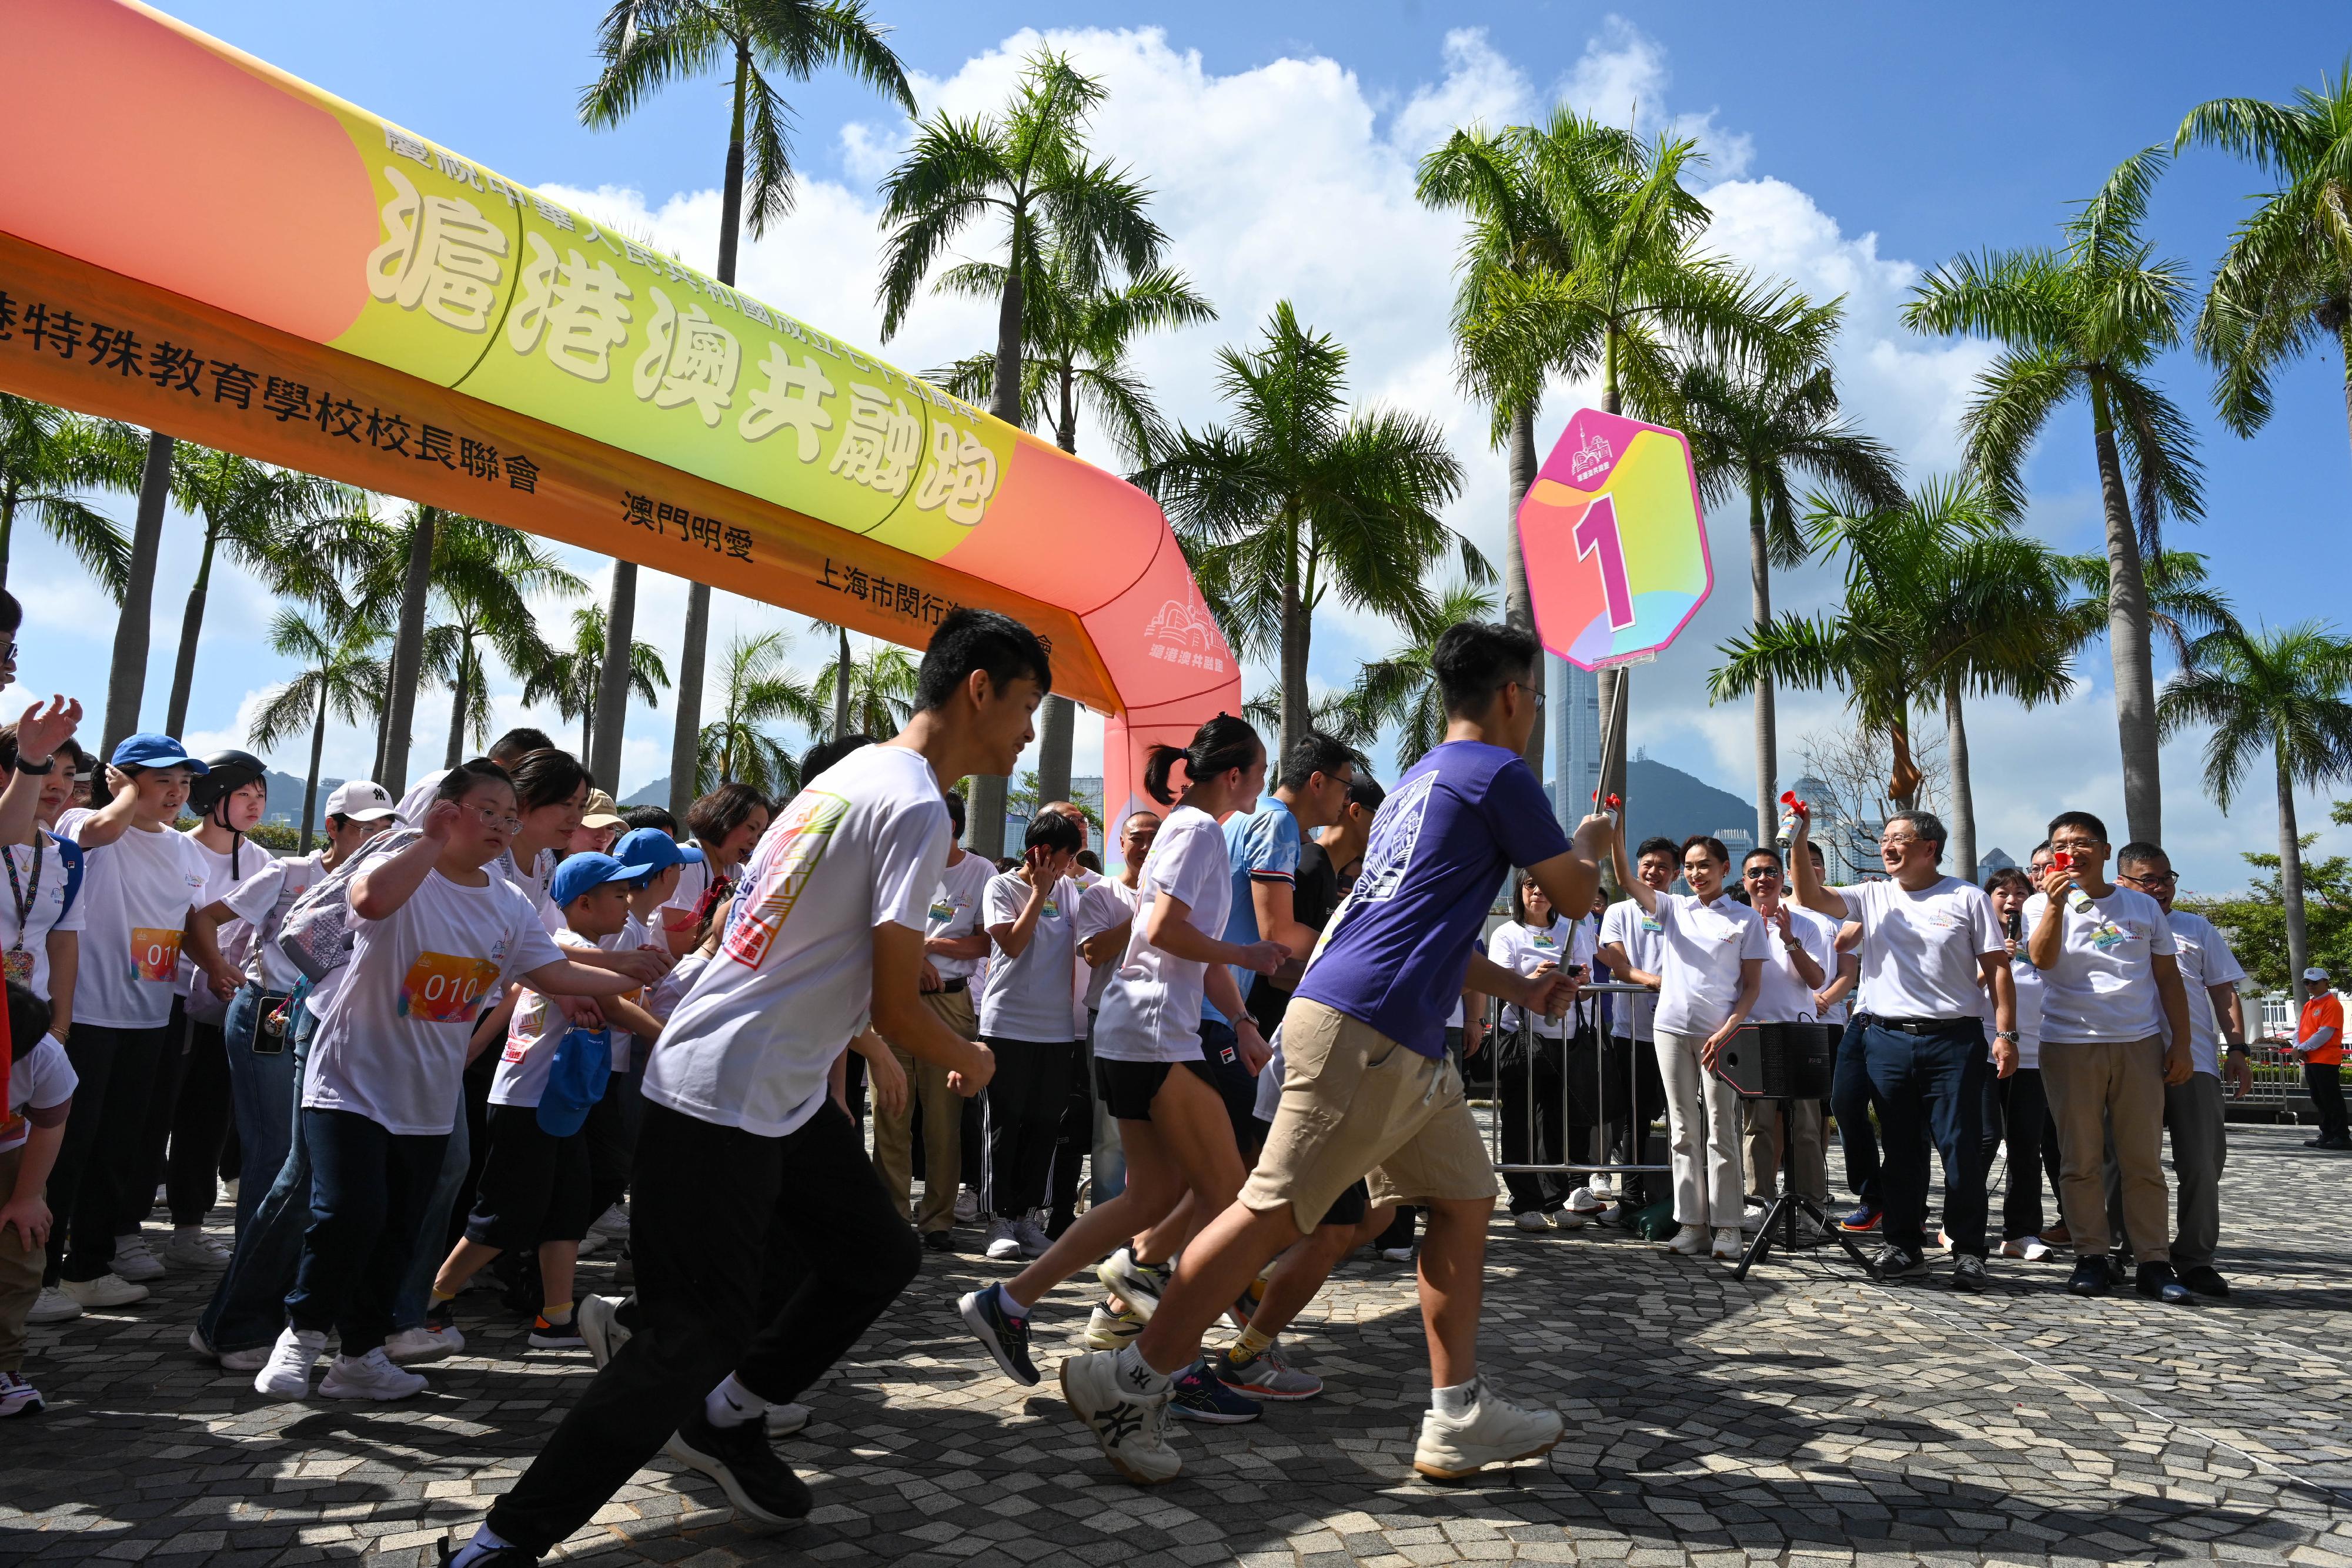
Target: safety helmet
<point>230,771</point>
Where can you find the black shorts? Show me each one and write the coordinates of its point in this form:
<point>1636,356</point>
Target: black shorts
<point>1236,1085</point>
<point>1128,1088</point>
<point>534,1188</point>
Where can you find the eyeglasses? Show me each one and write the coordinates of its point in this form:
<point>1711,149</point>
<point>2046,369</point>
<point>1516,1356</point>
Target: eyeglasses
<point>8,651</point>
<point>2149,879</point>
<point>1535,692</point>
<point>1897,843</point>
<point>491,819</point>
<point>1763,874</point>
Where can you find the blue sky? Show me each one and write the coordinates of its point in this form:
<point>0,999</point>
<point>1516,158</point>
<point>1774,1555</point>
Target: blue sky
<point>1852,149</point>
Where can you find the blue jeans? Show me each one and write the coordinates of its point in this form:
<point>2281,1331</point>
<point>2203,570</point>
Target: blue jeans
<point>1850,1102</point>
<point>248,1305</point>
<point>1930,1089</point>
<point>408,1307</point>
<point>369,1186</point>
<point>261,1086</point>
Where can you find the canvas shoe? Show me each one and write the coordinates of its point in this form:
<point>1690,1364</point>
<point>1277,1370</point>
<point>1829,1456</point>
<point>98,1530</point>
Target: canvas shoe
<point>190,1247</point>
<point>369,1377</point>
<point>1002,1245</point>
<point>785,1420</point>
<point>134,1262</point>
<point>1687,1242</point>
<point>106,1290</point>
<point>746,1468</point>
<point>1727,1243</point>
<point>600,1331</point>
<point>1111,1327</point>
<point>287,1373</point>
<point>1496,1432</point>
<point>1132,1428</point>
<point>1005,1336</point>
<point>18,1396</point>
<point>53,1305</point>
<point>1139,1285</point>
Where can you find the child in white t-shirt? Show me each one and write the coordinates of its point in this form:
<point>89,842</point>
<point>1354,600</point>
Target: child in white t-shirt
<point>39,1092</point>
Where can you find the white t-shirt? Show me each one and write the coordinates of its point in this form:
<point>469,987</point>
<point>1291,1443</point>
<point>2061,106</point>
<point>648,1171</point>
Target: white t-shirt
<point>1642,934</point>
<point>2206,961</point>
<point>392,1048</point>
<point>533,1031</point>
<point>2102,986</point>
<point>1104,906</point>
<point>1151,1008</point>
<point>45,911</point>
<point>663,996</point>
<point>1784,997</point>
<point>137,892</point>
<point>228,872</point>
<point>1699,959</point>
<point>693,881</point>
<point>1920,951</point>
<point>42,1079</point>
<point>633,935</point>
<point>261,901</point>
<point>955,912</point>
<point>751,1045</point>
<point>1521,949</point>
<point>1027,995</point>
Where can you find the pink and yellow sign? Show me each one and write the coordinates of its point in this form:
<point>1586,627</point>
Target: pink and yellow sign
<point>1614,540</point>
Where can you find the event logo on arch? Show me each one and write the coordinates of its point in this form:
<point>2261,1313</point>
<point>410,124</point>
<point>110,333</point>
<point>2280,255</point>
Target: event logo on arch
<point>1614,540</point>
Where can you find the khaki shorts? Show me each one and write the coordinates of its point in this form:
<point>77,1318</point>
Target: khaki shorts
<point>1355,1103</point>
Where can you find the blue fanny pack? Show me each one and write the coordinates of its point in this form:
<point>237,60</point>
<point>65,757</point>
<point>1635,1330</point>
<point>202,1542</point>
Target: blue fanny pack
<point>575,1080</point>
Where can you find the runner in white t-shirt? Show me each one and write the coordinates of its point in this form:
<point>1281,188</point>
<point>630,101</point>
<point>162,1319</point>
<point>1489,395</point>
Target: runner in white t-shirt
<point>1630,941</point>
<point>725,825</point>
<point>1031,918</point>
<point>1801,964</point>
<point>34,1111</point>
<point>1530,1097</point>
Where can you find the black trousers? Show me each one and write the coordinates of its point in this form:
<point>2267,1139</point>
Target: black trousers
<point>1528,1107</point>
<point>2015,1112</point>
<point>721,1220</point>
<point>190,1112</point>
<point>1074,1139</point>
<point>95,1174</point>
<point>2324,1080</point>
<point>369,1190</point>
<point>1022,1112</point>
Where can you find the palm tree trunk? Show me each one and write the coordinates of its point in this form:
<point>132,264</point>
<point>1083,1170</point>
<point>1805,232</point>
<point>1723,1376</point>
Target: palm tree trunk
<point>1297,639</point>
<point>588,733</point>
<point>1518,604</point>
<point>1962,859</point>
<point>2343,341</point>
<point>610,715</point>
<point>126,682</point>
<point>1058,717</point>
<point>2128,636</point>
<point>1616,684</point>
<point>457,752</point>
<point>192,627</point>
<point>1902,776</point>
<point>2298,938</point>
<point>408,655</point>
<point>841,683</point>
<point>382,731</point>
<point>7,528</point>
<point>1760,583</point>
<point>985,817</point>
<point>318,750</point>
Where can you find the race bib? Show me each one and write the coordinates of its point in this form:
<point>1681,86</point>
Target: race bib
<point>1651,923</point>
<point>942,913</point>
<point>154,954</point>
<point>441,987</point>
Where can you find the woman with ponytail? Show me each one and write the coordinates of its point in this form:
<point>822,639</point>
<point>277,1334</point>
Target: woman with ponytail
<point>1148,1063</point>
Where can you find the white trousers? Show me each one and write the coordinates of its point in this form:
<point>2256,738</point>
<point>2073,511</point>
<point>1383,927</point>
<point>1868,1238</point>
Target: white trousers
<point>1701,1109</point>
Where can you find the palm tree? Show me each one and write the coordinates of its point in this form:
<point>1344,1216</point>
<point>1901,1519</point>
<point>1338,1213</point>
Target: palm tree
<point>1943,600</point>
<point>1402,689</point>
<point>483,575</point>
<point>126,679</point>
<point>2088,320</point>
<point>2282,691</point>
<point>48,460</point>
<point>573,678</point>
<point>339,676</point>
<point>875,695</point>
<point>648,45</point>
<point>289,529</point>
<point>761,687</point>
<point>2285,282</point>
<point>1299,497</point>
<point>2182,604</point>
<point>1755,422</point>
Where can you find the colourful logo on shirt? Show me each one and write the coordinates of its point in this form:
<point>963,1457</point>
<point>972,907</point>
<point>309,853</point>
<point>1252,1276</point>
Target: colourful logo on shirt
<point>788,857</point>
<point>1053,911</point>
<point>441,987</point>
<point>154,954</point>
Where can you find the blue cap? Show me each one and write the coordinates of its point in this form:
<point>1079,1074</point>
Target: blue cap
<point>578,874</point>
<point>650,851</point>
<point>149,749</point>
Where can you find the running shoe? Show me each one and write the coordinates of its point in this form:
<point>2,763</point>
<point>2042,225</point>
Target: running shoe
<point>53,1306</point>
<point>1494,1432</point>
<point>287,1373</point>
<point>1111,1327</point>
<point>1397,1254</point>
<point>135,1262</point>
<point>1265,1375</point>
<point>1200,1397</point>
<point>1132,1428</point>
<point>746,1468</point>
<point>1863,1220</point>
<point>190,1247</point>
<point>967,1206</point>
<point>369,1376</point>
<point>565,1335</point>
<point>1726,1244</point>
<point>1586,1199</point>
<point>1531,1219</point>
<point>1139,1285</point>
<point>1030,1235</point>
<point>2032,1248</point>
<point>1567,1218</point>
<point>424,1342</point>
<point>18,1396</point>
<point>1006,1337</point>
<point>1688,1241</point>
<point>1968,1274</point>
<point>786,1420</point>
<point>1894,1264</point>
<point>600,1331</point>
<point>1002,1245</point>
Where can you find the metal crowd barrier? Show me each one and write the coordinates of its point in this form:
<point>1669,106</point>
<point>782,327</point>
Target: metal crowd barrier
<point>1634,1124</point>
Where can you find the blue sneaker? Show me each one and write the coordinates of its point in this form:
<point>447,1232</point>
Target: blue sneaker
<point>1006,1336</point>
<point>1198,1396</point>
<point>1863,1220</point>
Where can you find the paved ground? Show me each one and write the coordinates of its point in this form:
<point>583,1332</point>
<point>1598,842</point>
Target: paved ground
<point>1801,1416</point>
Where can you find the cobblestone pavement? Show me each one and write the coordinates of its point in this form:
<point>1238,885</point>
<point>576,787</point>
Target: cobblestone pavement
<point>1802,1416</point>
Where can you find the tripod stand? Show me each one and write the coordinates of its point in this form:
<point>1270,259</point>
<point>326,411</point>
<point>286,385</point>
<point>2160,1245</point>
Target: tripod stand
<point>1788,1204</point>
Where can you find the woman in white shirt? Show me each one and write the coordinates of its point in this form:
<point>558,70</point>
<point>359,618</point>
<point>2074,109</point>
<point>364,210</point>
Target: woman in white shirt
<point>1031,918</point>
<point>1529,1099</point>
<point>2016,1108</point>
<point>1711,967</point>
<point>1148,1063</point>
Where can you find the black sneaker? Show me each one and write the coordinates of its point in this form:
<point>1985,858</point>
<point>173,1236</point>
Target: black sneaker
<point>2089,1277</point>
<point>2204,1279</point>
<point>746,1468</point>
<point>1198,1396</point>
<point>1006,1336</point>
<point>1894,1263</point>
<point>2158,1281</point>
<point>939,1240</point>
<point>1968,1274</point>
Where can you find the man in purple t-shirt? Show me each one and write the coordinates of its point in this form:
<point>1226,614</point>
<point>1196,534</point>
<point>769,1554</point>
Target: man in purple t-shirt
<point>1369,1090</point>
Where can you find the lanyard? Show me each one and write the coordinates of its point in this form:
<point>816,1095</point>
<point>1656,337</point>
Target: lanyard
<point>23,897</point>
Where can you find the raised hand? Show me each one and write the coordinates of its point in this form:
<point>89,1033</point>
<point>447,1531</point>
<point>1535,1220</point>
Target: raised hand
<point>44,728</point>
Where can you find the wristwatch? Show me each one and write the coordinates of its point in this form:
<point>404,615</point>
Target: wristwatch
<point>2237,1047</point>
<point>2007,1034</point>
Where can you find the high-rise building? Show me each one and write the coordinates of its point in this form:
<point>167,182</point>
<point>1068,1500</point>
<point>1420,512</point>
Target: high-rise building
<point>1572,702</point>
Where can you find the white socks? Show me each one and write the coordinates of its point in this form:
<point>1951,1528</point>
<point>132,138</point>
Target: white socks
<point>1455,1402</point>
<point>731,1404</point>
<point>1013,1304</point>
<point>1135,1376</point>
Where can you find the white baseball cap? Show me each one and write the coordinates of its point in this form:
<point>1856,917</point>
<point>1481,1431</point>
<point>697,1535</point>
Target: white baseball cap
<point>360,799</point>
<point>2315,973</point>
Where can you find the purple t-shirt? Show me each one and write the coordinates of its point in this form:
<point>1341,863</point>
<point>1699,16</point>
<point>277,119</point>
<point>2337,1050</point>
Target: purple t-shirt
<point>1396,954</point>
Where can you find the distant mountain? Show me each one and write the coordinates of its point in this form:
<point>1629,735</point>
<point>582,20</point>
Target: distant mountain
<point>286,800</point>
<point>1667,802</point>
<point>654,794</point>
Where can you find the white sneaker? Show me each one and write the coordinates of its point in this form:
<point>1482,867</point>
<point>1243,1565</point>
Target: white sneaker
<point>1397,1254</point>
<point>53,1306</point>
<point>2032,1248</point>
<point>190,1247</point>
<point>1003,1244</point>
<point>1531,1220</point>
<point>1139,1285</point>
<point>967,1206</point>
<point>422,1342</point>
<point>1032,1236</point>
<point>106,1290</point>
<point>251,1359</point>
<point>1602,1186</point>
<point>592,1244</point>
<point>614,1222</point>
<point>1131,1429</point>
<point>1727,1242</point>
<point>18,1396</point>
<point>786,1420</point>
<point>287,1373</point>
<point>1566,1219</point>
<point>1586,1199</point>
<point>369,1377</point>
<point>134,1262</point>
<point>1943,1239</point>
<point>1496,1432</point>
<point>1687,1242</point>
<point>1109,1328</point>
<point>603,1334</point>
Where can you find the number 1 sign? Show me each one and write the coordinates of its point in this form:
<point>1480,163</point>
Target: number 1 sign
<point>1614,541</point>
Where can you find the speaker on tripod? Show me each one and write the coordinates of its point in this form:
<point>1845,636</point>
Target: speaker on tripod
<point>1787,1062</point>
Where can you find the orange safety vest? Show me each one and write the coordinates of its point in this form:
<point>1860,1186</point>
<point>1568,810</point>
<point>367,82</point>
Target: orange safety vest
<point>2319,1013</point>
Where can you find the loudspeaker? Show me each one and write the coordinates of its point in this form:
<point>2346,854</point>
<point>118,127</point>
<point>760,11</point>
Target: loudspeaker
<point>1779,1060</point>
